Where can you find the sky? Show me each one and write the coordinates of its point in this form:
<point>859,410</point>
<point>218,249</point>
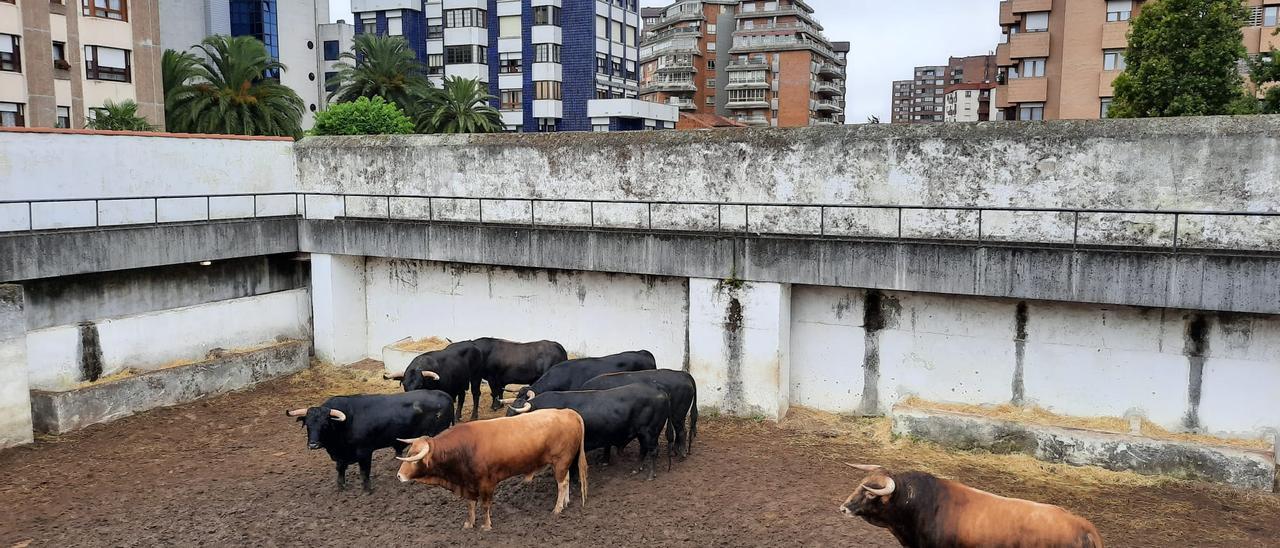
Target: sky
<point>889,37</point>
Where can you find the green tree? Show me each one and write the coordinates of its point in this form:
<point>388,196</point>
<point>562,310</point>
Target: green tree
<point>232,93</point>
<point>460,106</point>
<point>1182,60</point>
<point>363,116</point>
<point>380,66</point>
<point>121,116</point>
<point>1264,71</point>
<point>177,68</point>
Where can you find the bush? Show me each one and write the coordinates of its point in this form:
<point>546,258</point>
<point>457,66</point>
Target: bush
<point>362,117</point>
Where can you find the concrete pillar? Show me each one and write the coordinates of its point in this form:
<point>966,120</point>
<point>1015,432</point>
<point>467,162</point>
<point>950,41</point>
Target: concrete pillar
<point>739,346</point>
<point>338,308</point>
<point>15,399</point>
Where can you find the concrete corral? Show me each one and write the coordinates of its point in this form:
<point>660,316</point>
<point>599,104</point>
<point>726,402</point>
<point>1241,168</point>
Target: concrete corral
<point>15,406</point>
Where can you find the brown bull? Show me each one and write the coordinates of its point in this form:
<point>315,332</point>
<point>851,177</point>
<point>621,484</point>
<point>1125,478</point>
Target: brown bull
<point>922,511</point>
<point>470,459</point>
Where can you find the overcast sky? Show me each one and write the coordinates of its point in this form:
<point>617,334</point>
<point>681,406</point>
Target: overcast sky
<point>889,38</point>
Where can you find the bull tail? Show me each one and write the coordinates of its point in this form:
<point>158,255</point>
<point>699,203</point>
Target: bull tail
<point>670,434</point>
<point>693,424</point>
<point>582,459</point>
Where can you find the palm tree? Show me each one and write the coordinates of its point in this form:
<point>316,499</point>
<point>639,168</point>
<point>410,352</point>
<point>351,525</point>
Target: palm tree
<point>233,93</point>
<point>177,68</point>
<point>380,66</point>
<point>122,116</point>
<point>461,106</point>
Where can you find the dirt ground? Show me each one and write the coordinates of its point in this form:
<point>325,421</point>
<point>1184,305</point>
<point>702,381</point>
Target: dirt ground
<point>234,470</point>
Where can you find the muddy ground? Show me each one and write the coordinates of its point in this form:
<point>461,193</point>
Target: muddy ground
<point>233,470</point>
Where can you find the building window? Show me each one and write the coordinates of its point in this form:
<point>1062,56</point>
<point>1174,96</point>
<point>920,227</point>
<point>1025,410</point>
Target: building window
<point>711,64</point>
<point>509,63</point>
<point>1106,108</point>
<point>512,99</point>
<point>746,95</point>
<point>331,50</point>
<point>602,64</point>
<point>1119,10</point>
<point>11,115</point>
<point>10,53</point>
<point>107,9</point>
<point>546,53</point>
<point>103,63</point>
<point>395,26</point>
<point>60,56</point>
<point>369,26</point>
<point>509,26</point>
<point>461,55</point>
<point>548,89</point>
<point>1269,15</point>
<point>1031,111</point>
<point>435,64</point>
<point>257,18</point>
<point>469,17</point>
<point>435,28</point>
<point>1036,21</point>
<point>1032,68</point>
<point>64,118</point>
<point>546,15</point>
<point>711,28</point>
<point>331,81</point>
<point>1113,59</point>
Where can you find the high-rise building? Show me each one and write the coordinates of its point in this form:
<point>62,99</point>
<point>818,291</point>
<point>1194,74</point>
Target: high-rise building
<point>287,27</point>
<point>553,65</point>
<point>921,100</point>
<point>1058,58</point>
<point>761,63</point>
<point>59,61</point>
<point>335,39</point>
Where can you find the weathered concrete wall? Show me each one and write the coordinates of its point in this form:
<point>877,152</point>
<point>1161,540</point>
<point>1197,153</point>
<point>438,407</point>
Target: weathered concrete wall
<point>72,299</point>
<point>590,313</point>
<point>339,308</point>
<point>863,351</point>
<point>15,403</point>
<point>1187,163</point>
<point>62,356</point>
<point>739,339</point>
<point>60,412</point>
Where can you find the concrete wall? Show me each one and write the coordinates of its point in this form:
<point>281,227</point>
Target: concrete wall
<point>60,357</point>
<point>1183,370</point>
<point>15,402</point>
<point>589,313</point>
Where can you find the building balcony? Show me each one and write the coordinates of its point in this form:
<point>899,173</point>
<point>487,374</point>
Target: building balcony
<point>669,86</point>
<point>671,47</point>
<point>692,32</point>
<point>747,104</point>
<point>753,84</point>
<point>753,121</point>
<point>682,103</point>
<point>1002,56</point>
<point>1006,13</point>
<point>676,68</point>
<point>752,64</point>
<point>829,69</point>
<point>1029,44</point>
<point>1115,35</point>
<point>828,88</point>
<point>1025,6</point>
<point>747,44</point>
<point>814,31</point>
<point>827,106</point>
<point>695,15</point>
<point>1106,81</point>
<point>1027,90</point>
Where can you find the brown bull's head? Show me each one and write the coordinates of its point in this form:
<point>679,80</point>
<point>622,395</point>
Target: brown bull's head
<point>870,500</point>
<point>417,459</point>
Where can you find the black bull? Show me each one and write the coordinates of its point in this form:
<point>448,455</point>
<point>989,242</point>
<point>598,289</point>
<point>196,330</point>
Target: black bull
<point>572,374</point>
<point>678,385</point>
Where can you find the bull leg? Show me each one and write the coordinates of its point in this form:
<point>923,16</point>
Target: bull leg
<point>366,462</point>
<point>495,390</point>
<point>649,450</point>
<point>342,474</point>
<point>475,399</point>
<point>487,501</point>
<point>471,515</point>
<point>562,487</point>
<point>457,412</point>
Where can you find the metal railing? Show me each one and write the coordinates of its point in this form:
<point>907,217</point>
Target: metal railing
<point>970,224</point>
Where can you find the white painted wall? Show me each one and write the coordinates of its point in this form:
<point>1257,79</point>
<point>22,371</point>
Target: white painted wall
<point>15,400</point>
<point>338,289</point>
<point>591,314</point>
<point>746,372</point>
<point>1081,360</point>
<point>150,341</point>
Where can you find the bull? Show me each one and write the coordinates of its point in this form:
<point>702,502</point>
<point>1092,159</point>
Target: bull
<point>451,370</point>
<point>505,362</point>
<point>472,458</point>
<point>572,374</point>
<point>351,428</point>
<point>680,388</point>
<point>922,510</point>
<point>614,417</point>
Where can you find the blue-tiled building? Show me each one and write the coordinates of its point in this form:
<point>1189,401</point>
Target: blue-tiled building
<point>550,67</point>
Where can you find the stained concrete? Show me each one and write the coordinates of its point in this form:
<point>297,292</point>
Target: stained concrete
<point>65,411</point>
<point>1248,469</point>
<point>15,404</point>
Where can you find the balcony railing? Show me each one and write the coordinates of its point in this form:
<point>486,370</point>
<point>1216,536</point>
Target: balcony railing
<point>750,64</point>
<point>828,88</point>
<point>755,43</point>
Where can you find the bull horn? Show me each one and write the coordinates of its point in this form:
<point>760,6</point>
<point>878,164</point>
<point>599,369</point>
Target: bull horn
<point>426,448</point>
<point>410,442</point>
<point>392,376</point>
<point>296,412</point>
<point>865,467</point>
<point>883,491</point>
<point>338,415</point>
<point>531,395</point>
<point>507,401</point>
<point>522,409</point>
<point>431,375</point>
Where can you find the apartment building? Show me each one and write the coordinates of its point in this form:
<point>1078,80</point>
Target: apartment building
<point>757,62</point>
<point>287,27</point>
<point>1058,58</point>
<point>554,65</point>
<point>335,39</point>
<point>59,62</point>
<point>967,102</point>
<point>649,16</point>
<point>922,100</point>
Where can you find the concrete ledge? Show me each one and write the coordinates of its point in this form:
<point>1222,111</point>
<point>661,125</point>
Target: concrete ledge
<point>1243,468</point>
<point>61,412</point>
